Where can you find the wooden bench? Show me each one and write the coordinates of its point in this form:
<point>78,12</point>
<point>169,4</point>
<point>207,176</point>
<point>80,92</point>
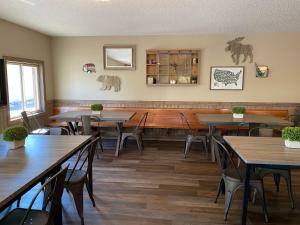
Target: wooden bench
<point>168,118</point>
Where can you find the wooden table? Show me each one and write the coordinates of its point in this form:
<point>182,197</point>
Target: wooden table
<point>251,120</point>
<point>265,152</point>
<point>118,117</point>
<point>23,168</point>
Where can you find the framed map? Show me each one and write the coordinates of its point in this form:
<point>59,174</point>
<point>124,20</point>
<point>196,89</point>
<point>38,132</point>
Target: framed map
<point>227,78</point>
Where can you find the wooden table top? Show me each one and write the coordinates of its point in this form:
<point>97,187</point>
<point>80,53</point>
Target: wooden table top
<point>227,119</point>
<point>105,116</point>
<point>24,167</point>
<point>264,150</point>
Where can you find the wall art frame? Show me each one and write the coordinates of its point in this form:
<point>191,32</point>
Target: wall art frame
<point>119,57</point>
<point>227,77</point>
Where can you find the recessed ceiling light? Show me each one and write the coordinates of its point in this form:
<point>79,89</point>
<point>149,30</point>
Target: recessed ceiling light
<point>102,0</point>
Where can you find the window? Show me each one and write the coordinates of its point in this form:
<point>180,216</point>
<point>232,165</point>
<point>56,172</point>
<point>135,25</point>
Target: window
<point>25,87</point>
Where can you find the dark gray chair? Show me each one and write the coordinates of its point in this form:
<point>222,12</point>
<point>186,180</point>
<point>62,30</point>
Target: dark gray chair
<point>191,136</point>
<point>34,126</point>
<point>267,131</point>
<point>21,216</point>
<point>295,119</point>
<point>80,175</point>
<point>232,177</point>
<point>86,122</point>
<point>136,133</point>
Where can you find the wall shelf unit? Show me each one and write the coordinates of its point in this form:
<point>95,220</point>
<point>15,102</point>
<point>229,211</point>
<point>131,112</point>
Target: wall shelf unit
<point>172,67</point>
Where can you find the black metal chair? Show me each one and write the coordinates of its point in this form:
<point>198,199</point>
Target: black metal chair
<point>21,216</point>
<point>34,126</point>
<point>266,131</point>
<point>191,136</point>
<point>80,175</point>
<point>136,133</point>
<point>295,119</point>
<point>86,122</point>
<point>232,177</point>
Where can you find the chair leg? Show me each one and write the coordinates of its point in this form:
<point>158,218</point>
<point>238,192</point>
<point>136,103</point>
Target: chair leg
<point>90,192</point>
<point>228,200</point>
<point>139,143</point>
<point>123,138</point>
<point>77,192</point>
<point>288,180</point>
<point>276,178</point>
<point>205,145</point>
<point>220,188</point>
<point>187,146</point>
<point>230,189</point>
<point>260,190</point>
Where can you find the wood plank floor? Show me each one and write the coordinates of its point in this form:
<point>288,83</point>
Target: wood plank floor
<point>160,187</point>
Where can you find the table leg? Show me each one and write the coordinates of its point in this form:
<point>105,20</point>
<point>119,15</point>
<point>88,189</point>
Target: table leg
<point>211,130</point>
<point>246,195</point>
<point>119,130</point>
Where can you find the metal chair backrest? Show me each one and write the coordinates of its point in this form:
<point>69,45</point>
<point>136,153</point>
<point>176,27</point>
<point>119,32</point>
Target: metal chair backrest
<point>263,130</point>
<point>224,159</point>
<point>56,182</point>
<point>85,159</point>
<point>295,119</point>
<point>86,124</point>
<point>27,122</point>
<point>142,122</point>
<point>185,123</point>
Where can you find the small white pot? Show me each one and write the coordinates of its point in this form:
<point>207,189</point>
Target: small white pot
<point>96,112</point>
<point>292,144</point>
<point>16,144</point>
<point>238,115</point>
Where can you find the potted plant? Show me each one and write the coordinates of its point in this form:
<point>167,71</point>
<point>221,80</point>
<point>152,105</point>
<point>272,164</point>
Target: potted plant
<point>291,136</point>
<point>96,108</point>
<point>15,136</point>
<point>238,112</point>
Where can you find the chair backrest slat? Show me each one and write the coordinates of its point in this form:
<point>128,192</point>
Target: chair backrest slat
<point>57,184</point>
<point>185,123</point>
<point>86,155</point>
<point>263,130</point>
<point>224,158</point>
<point>142,122</point>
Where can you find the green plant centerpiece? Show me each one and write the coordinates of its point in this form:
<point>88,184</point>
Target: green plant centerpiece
<point>291,136</point>
<point>238,112</point>
<point>96,108</point>
<point>15,136</point>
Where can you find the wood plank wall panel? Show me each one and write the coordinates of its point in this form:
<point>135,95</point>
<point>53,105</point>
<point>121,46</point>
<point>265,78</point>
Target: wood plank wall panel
<point>167,115</point>
<point>3,118</point>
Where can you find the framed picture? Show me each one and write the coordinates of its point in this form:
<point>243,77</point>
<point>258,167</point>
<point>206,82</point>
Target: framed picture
<point>261,71</point>
<point>226,78</point>
<point>119,57</point>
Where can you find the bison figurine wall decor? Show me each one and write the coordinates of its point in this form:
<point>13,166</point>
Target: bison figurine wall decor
<point>237,49</point>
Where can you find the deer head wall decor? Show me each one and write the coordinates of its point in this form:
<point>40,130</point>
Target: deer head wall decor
<point>237,49</point>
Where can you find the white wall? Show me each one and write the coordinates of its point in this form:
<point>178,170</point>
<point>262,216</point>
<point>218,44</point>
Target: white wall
<point>280,51</point>
<point>17,41</point>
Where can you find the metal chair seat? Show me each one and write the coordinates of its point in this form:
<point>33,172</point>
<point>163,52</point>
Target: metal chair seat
<point>75,176</point>
<point>232,175</point>
<point>35,217</point>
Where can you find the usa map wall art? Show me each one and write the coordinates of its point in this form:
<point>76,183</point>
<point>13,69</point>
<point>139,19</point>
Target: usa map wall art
<point>227,78</point>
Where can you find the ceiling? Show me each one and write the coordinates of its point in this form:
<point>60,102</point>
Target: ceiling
<point>150,17</point>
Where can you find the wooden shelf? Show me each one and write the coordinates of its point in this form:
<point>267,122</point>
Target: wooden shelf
<point>181,65</point>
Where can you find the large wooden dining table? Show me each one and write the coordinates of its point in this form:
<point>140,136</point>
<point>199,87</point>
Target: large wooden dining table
<point>119,118</point>
<point>251,120</point>
<point>265,152</point>
<point>23,168</point>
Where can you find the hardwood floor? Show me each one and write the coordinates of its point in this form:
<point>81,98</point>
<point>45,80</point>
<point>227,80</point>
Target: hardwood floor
<point>160,187</point>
